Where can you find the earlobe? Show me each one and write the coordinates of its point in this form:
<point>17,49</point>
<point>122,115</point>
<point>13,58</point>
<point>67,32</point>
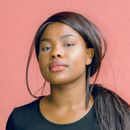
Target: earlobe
<point>90,54</point>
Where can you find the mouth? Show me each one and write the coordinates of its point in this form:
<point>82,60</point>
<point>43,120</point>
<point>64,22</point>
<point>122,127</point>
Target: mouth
<point>57,66</point>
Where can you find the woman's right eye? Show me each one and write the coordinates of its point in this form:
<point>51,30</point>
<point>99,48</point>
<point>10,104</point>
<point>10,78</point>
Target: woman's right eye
<point>46,48</point>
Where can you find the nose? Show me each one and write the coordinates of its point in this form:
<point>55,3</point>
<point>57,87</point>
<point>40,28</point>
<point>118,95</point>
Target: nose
<point>56,53</point>
<point>54,56</point>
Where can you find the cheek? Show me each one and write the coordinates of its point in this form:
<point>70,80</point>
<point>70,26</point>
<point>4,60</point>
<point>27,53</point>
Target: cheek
<point>78,57</point>
<point>43,60</point>
<point>43,65</point>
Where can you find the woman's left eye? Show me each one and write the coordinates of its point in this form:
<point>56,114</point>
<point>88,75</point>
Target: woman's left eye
<point>69,45</point>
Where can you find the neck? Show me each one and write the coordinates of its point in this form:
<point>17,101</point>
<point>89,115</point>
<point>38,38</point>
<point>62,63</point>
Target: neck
<point>70,96</point>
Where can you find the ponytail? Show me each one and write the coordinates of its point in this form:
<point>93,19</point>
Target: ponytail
<point>112,112</point>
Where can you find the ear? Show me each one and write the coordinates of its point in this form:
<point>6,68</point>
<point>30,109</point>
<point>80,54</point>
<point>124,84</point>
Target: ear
<point>90,54</point>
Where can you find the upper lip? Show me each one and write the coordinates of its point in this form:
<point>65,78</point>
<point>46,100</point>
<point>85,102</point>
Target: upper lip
<point>57,63</point>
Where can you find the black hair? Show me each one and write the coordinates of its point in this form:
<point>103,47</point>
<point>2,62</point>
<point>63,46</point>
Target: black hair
<point>112,112</point>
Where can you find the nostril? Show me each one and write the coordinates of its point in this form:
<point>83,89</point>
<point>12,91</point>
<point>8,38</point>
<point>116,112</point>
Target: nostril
<point>59,55</point>
<point>53,56</point>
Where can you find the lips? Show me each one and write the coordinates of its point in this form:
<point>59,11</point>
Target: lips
<point>57,66</point>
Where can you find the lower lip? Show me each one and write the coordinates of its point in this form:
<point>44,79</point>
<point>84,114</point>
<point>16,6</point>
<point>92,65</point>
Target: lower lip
<point>57,68</point>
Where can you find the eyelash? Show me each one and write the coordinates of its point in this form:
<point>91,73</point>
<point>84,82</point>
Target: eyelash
<point>43,49</point>
<point>70,44</point>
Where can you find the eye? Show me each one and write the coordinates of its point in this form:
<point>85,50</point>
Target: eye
<point>69,45</point>
<point>46,48</point>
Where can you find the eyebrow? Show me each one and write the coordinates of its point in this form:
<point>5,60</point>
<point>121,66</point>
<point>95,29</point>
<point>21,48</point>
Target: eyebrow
<point>62,37</point>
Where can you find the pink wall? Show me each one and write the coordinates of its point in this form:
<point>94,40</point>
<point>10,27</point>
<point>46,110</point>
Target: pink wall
<point>19,20</point>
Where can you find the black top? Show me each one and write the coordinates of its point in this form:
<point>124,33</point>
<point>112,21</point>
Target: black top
<point>29,117</point>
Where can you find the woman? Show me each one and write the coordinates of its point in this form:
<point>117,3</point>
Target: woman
<point>69,51</point>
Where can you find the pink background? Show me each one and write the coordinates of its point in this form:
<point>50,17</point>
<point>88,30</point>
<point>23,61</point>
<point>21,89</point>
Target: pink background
<point>19,20</point>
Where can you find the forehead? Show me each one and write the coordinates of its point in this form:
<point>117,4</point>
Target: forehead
<point>56,30</point>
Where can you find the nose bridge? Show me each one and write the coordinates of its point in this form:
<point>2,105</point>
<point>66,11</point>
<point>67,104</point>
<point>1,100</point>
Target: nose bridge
<point>57,49</point>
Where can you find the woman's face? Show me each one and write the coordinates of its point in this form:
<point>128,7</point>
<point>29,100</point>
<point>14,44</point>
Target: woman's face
<point>63,54</point>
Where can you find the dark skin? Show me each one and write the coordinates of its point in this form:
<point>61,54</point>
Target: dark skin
<point>67,101</point>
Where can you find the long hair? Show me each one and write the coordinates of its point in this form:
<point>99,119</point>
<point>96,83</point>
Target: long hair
<point>112,112</point>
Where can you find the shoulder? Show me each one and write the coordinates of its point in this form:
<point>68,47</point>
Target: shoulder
<point>28,106</point>
<point>26,109</point>
<point>22,115</point>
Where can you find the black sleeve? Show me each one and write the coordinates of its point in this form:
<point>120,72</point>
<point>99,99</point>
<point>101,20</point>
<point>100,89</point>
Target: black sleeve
<point>10,122</point>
